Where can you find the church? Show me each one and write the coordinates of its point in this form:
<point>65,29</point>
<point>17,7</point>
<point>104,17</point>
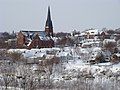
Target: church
<point>37,39</point>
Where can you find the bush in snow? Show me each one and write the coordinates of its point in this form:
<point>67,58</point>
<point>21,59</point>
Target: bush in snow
<point>15,56</point>
<point>118,42</point>
<point>116,50</point>
<point>114,59</point>
<point>109,44</point>
<point>99,58</point>
<point>48,63</point>
<point>3,53</point>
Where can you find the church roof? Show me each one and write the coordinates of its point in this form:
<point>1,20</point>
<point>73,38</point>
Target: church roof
<point>31,34</point>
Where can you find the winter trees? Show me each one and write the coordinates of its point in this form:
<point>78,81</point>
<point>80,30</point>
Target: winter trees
<point>109,45</point>
<point>16,57</point>
<point>99,58</point>
<point>114,59</point>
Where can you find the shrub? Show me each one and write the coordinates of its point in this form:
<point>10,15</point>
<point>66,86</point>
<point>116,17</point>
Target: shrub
<point>15,56</point>
<point>110,45</point>
<point>99,58</point>
<point>114,59</point>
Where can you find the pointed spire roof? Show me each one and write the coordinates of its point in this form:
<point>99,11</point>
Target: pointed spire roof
<point>49,21</point>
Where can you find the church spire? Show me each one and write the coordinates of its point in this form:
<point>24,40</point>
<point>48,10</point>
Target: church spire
<point>48,25</point>
<point>49,16</point>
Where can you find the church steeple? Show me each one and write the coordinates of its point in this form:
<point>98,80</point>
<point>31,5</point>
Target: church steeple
<point>48,25</point>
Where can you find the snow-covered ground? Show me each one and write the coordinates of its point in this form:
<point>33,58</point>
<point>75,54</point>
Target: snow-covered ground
<point>74,69</point>
<point>72,64</point>
<point>96,70</point>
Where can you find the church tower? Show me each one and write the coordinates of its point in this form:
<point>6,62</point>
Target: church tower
<point>48,25</point>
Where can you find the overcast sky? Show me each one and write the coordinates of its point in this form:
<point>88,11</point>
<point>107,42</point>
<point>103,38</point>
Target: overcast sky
<point>67,15</point>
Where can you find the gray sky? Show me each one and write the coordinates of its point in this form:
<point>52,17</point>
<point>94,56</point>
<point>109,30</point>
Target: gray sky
<point>66,14</point>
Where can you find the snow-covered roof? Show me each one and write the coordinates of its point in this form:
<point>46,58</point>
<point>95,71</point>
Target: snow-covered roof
<point>49,56</point>
<point>65,53</point>
<point>44,38</point>
<point>83,50</point>
<point>96,49</point>
<point>90,43</point>
<point>33,53</point>
<point>109,40</point>
<point>90,32</point>
<point>32,33</point>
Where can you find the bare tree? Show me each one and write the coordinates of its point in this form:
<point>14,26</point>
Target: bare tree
<point>109,45</point>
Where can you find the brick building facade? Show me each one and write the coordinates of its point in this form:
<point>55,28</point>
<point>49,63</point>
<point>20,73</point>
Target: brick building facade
<point>37,39</point>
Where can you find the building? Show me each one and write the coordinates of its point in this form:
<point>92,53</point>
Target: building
<point>37,39</point>
<point>90,33</point>
<point>48,25</point>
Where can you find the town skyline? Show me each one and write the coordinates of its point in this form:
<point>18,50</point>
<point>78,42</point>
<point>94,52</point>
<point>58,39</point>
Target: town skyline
<point>66,15</point>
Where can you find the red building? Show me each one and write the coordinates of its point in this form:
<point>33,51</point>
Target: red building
<point>37,39</point>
